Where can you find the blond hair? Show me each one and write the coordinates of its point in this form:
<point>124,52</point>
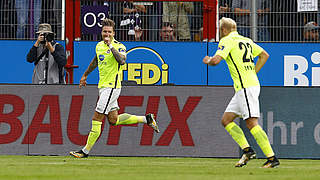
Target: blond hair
<point>228,24</point>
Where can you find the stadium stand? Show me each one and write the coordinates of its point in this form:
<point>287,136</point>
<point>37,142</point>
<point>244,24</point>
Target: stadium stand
<point>284,20</point>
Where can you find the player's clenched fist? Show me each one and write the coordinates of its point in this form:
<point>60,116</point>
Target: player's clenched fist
<point>206,60</point>
<point>83,82</point>
<point>107,40</point>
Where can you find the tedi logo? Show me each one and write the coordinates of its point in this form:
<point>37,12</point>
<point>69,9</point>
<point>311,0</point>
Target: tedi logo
<point>145,73</point>
<point>295,70</point>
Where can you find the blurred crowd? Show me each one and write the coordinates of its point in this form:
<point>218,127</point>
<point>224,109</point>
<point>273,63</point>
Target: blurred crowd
<point>19,19</point>
<point>273,20</point>
<point>262,20</point>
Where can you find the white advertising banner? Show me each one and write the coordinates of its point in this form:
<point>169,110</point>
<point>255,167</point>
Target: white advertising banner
<point>307,5</point>
<point>55,119</point>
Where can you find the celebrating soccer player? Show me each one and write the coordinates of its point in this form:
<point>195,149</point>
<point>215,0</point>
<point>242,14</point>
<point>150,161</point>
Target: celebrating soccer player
<point>239,52</point>
<point>110,55</point>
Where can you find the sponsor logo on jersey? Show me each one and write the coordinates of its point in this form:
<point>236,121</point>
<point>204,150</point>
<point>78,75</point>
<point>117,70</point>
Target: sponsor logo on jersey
<point>101,57</point>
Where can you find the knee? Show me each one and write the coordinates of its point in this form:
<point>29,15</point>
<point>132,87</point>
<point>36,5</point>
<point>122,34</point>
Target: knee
<point>112,120</point>
<point>250,125</point>
<point>98,117</point>
<point>225,122</point>
<point>227,118</point>
<point>251,122</point>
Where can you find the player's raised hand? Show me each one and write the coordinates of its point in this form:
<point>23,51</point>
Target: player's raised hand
<point>83,82</point>
<point>107,40</point>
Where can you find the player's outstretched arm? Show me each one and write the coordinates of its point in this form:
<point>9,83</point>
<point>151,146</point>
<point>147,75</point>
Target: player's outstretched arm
<point>263,57</point>
<point>212,60</point>
<point>91,67</point>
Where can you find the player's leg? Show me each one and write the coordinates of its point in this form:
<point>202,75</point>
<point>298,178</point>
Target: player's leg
<point>95,131</point>
<point>105,95</point>
<point>262,140</point>
<point>93,136</point>
<point>234,130</point>
<point>252,94</point>
<point>260,136</point>
<point>111,109</point>
<point>234,109</point>
<point>238,136</point>
<point>125,118</point>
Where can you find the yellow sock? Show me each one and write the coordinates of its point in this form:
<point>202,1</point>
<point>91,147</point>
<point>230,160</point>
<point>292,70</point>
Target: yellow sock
<point>93,136</point>
<point>130,119</point>
<point>262,139</point>
<point>237,134</point>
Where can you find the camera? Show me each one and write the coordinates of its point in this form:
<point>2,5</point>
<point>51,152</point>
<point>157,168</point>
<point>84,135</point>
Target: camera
<point>48,37</point>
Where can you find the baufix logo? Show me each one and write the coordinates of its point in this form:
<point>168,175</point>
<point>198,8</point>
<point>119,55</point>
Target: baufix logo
<point>48,119</point>
<point>145,66</point>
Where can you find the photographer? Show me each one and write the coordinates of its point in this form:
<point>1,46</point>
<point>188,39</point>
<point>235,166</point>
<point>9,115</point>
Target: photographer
<point>48,57</point>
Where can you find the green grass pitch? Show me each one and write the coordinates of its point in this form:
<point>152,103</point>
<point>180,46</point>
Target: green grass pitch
<point>153,168</point>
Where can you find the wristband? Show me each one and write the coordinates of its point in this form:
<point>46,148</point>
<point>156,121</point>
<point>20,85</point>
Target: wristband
<point>110,46</point>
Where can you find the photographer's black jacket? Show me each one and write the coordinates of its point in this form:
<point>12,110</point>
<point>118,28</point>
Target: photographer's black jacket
<point>55,64</point>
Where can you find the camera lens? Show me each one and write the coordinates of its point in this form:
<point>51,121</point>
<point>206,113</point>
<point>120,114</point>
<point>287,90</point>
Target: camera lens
<point>49,37</point>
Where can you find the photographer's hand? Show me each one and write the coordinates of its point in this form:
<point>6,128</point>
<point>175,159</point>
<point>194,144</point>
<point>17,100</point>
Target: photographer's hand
<point>40,38</point>
<point>49,46</point>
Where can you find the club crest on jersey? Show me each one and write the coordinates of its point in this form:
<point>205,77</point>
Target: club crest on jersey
<point>221,48</point>
<point>101,57</point>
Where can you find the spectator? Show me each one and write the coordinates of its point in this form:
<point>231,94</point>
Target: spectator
<point>57,16</point>
<point>199,35</point>
<point>132,18</point>
<point>311,31</point>
<point>242,10</point>
<point>24,10</point>
<point>196,19</point>
<point>225,8</point>
<point>138,34</point>
<point>287,22</point>
<point>167,32</point>
<point>7,20</point>
<point>318,13</point>
<point>154,20</point>
<point>177,14</point>
<point>48,57</point>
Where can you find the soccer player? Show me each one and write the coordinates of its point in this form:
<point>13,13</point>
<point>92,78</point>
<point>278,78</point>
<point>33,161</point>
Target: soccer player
<point>239,51</point>
<point>110,55</point>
